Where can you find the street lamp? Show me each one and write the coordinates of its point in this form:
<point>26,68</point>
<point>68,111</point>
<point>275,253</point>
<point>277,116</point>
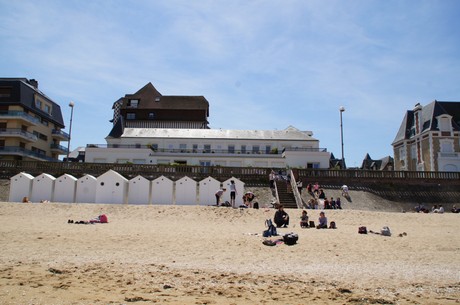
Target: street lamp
<point>71,104</point>
<point>342,109</point>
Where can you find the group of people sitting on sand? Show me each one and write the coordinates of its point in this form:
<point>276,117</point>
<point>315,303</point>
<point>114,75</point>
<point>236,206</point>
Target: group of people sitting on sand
<point>439,209</point>
<point>281,220</point>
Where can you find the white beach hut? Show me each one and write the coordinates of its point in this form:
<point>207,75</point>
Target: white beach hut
<point>162,190</point>
<point>42,188</point>
<point>64,188</point>
<point>206,191</point>
<point>139,190</point>
<point>239,191</point>
<point>186,191</point>
<point>86,189</point>
<point>20,187</point>
<point>111,187</point>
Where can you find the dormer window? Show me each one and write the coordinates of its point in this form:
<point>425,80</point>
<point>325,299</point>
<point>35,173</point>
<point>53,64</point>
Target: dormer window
<point>133,103</point>
<point>445,125</point>
<point>157,99</point>
<point>151,115</point>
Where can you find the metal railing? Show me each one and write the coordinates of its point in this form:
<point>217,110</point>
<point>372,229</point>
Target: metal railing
<point>60,133</point>
<point>18,132</point>
<point>19,114</point>
<point>253,174</point>
<point>16,150</point>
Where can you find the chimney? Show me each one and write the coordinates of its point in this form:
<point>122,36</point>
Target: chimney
<point>34,83</point>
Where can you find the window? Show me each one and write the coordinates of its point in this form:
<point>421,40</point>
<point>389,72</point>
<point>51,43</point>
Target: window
<point>130,116</point>
<point>38,104</point>
<point>139,161</point>
<point>207,148</point>
<point>47,109</point>
<point>45,122</point>
<point>447,146</point>
<point>231,149</point>
<point>157,99</point>
<point>2,143</point>
<point>255,149</point>
<point>5,91</point>
<point>268,149</point>
<point>151,115</point>
<point>243,149</point>
<point>195,148</point>
<point>183,147</point>
<point>133,103</point>
<point>154,147</point>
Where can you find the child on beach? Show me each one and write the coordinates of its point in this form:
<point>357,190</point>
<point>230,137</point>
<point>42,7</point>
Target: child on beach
<point>304,219</point>
<point>322,221</point>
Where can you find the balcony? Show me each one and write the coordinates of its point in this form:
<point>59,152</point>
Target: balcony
<point>60,135</point>
<point>226,152</point>
<point>18,133</point>
<point>58,149</point>
<point>19,151</point>
<point>449,155</point>
<point>20,115</point>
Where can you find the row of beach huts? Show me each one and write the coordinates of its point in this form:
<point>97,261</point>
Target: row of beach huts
<point>112,187</point>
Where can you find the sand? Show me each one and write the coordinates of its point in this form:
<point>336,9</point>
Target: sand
<point>214,255</point>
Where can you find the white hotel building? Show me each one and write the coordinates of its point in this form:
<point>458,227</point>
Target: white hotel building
<point>149,128</point>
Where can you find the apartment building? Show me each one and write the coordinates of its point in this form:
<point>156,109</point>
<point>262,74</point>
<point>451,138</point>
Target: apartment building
<point>428,138</point>
<point>30,122</point>
<point>150,128</point>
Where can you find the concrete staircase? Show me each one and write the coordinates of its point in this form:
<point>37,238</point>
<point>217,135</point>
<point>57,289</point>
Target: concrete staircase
<point>285,198</point>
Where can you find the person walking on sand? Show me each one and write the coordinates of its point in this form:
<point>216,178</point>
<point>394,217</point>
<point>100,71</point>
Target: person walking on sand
<point>219,194</point>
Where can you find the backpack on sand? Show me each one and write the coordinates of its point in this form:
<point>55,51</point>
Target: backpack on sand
<point>362,230</point>
<point>290,239</point>
<point>271,231</point>
<point>385,231</point>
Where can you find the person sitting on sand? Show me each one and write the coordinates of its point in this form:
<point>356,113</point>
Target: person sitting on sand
<point>26,200</point>
<point>321,195</point>
<point>322,221</point>
<point>455,209</point>
<point>219,194</point>
<point>248,198</point>
<point>338,204</point>
<point>304,219</point>
<point>281,218</point>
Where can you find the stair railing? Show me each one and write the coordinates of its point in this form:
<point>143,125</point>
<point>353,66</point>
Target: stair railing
<point>295,190</point>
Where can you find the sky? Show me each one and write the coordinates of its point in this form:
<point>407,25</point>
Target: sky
<point>261,65</point>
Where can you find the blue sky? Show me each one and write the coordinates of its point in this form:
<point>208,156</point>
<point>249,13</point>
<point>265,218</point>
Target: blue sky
<point>260,64</point>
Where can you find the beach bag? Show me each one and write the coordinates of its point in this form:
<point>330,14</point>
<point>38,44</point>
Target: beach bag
<point>312,224</point>
<point>290,239</point>
<point>269,242</point>
<point>362,230</point>
<point>385,231</point>
<point>271,231</point>
<point>103,218</point>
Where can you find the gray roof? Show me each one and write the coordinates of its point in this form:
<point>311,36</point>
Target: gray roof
<point>428,120</point>
<point>290,133</point>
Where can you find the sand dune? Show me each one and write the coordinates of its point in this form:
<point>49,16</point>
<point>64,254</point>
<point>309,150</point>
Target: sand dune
<point>210,255</point>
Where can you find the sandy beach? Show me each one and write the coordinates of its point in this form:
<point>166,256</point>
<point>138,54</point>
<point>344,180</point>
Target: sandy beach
<point>214,255</point>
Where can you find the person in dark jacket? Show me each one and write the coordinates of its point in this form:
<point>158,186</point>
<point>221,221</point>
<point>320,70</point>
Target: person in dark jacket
<point>281,218</point>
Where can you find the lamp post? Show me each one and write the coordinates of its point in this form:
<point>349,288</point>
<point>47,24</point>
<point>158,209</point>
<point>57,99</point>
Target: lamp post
<point>342,109</point>
<point>71,104</point>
